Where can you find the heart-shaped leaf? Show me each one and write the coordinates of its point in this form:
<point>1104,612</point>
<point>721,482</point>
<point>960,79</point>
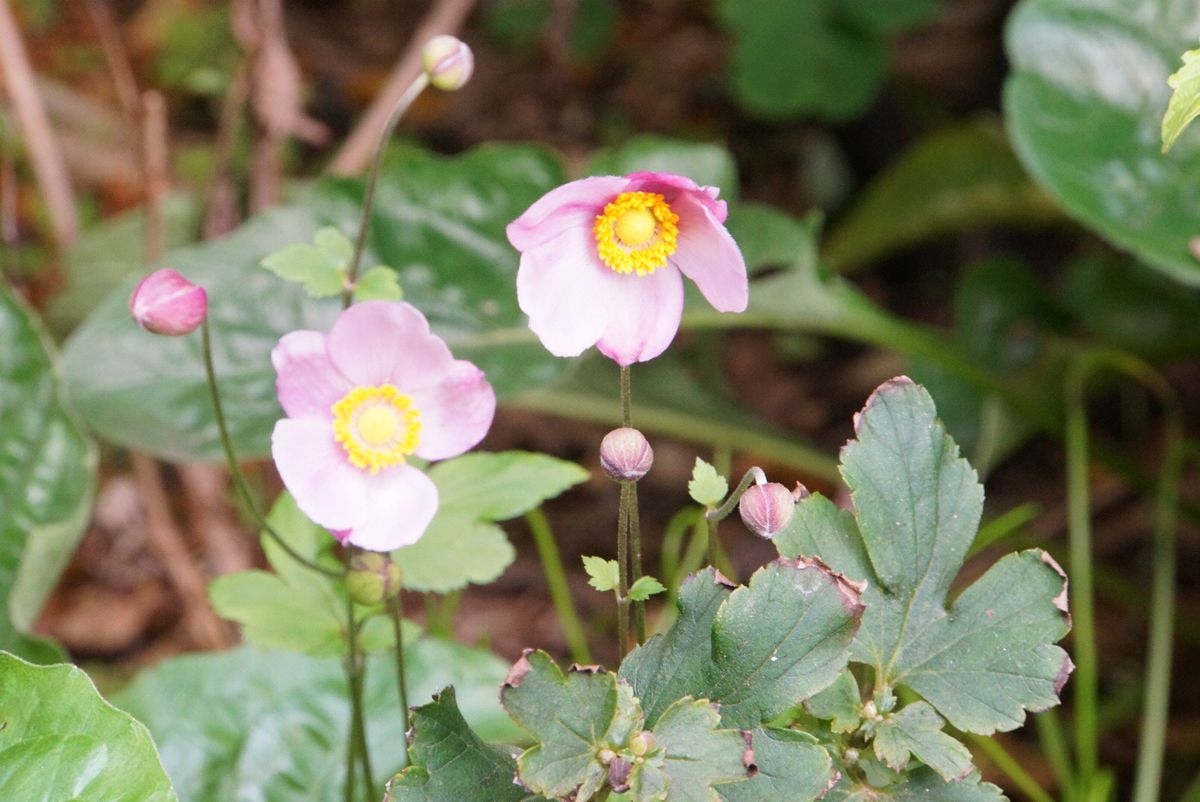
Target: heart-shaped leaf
<point>47,477</point>
<point>61,742</point>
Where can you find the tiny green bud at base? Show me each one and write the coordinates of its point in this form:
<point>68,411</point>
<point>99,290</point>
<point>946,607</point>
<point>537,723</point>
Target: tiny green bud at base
<point>373,578</point>
<point>448,62</point>
<point>625,455</point>
<point>165,302</point>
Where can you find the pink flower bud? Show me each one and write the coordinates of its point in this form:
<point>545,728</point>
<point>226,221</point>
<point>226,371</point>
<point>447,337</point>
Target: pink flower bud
<point>766,509</point>
<point>625,455</point>
<point>448,62</point>
<point>165,302</point>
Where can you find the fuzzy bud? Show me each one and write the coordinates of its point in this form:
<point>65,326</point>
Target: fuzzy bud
<point>165,302</point>
<point>373,578</point>
<point>625,455</point>
<point>767,508</point>
<point>448,62</point>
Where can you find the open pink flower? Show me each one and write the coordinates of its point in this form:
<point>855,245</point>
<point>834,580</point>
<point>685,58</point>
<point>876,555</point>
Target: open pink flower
<point>359,401</point>
<point>601,258</point>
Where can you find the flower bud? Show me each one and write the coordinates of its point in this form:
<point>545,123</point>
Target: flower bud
<point>165,302</point>
<point>373,578</point>
<point>625,455</point>
<point>448,62</point>
<point>642,743</point>
<point>767,508</point>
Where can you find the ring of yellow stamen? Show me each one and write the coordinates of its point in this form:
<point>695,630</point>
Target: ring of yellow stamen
<point>378,426</point>
<point>636,233</point>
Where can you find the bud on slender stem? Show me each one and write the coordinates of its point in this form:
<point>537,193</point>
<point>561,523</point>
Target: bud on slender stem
<point>165,302</point>
<point>625,455</point>
<point>448,62</point>
<point>373,578</point>
<point>767,508</point>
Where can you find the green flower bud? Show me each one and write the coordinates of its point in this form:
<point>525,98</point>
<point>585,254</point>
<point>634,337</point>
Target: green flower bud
<point>373,578</point>
<point>448,62</point>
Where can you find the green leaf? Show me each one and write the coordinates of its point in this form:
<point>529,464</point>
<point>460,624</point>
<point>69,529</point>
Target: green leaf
<point>335,246</point>
<point>378,284</point>
<point>705,163</point>
<point>644,588</point>
<point>990,657</point>
<point>438,221</point>
<point>250,724</point>
<point>450,762</point>
<point>47,478</point>
<point>61,742</point>
<point>692,756</point>
<point>792,767</point>
<point>756,651</point>
<point>960,177</point>
<point>840,704</point>
<point>603,575</point>
<point>707,487</point>
<point>916,731</point>
<point>1088,129</point>
<point>463,545</point>
<point>308,267</point>
<point>919,785</point>
<point>1185,99</point>
<point>572,717</point>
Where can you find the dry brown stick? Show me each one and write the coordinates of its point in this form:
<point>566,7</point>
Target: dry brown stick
<point>41,145</point>
<point>117,60</point>
<point>222,212</point>
<point>206,489</point>
<point>165,538</point>
<point>156,172</point>
<point>446,17</point>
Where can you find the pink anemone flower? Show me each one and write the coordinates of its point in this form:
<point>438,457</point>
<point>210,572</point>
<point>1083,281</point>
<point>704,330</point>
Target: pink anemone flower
<point>379,388</point>
<point>601,260</point>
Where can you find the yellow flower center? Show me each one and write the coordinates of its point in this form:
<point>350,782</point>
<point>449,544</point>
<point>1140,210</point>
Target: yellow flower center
<point>636,233</point>
<point>378,426</point>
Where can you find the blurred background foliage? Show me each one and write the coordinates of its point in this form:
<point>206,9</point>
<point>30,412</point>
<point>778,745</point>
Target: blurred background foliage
<point>969,191</point>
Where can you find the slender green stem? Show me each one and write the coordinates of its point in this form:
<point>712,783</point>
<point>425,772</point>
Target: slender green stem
<point>626,398</point>
<point>396,611</point>
<point>1155,713</point>
<point>711,542</point>
<point>623,572</point>
<point>360,242</point>
<point>235,470</point>
<point>672,547</point>
<point>1003,526</point>
<point>1192,792</point>
<point>635,555</point>
<point>1011,768</point>
<point>731,502</point>
<point>556,581</point>
<point>1054,746</point>
<point>355,672</point>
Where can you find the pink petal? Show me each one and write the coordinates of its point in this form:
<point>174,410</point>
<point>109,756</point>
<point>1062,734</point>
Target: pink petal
<point>384,342</point>
<point>675,187</point>
<point>643,315</point>
<point>314,468</point>
<point>563,287</point>
<point>306,381</point>
<point>573,205</point>
<point>401,501</point>
<point>456,412</point>
<point>708,256</point>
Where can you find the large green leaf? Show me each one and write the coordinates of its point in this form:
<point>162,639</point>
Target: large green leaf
<point>990,657</point>
<point>61,742</point>
<point>1084,104</point>
<point>693,755</point>
<point>792,767</point>
<point>438,221</point>
<point>920,785</point>
<point>47,476</point>
<point>756,651</point>
<point>266,726</point>
<point>463,543</point>
<point>450,762</point>
<point>1185,99</point>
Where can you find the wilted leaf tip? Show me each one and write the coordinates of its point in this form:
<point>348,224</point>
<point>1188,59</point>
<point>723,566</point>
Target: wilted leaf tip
<point>889,386</point>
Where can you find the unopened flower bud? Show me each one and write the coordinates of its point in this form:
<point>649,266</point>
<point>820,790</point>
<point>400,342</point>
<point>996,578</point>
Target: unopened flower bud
<point>373,578</point>
<point>625,455</point>
<point>165,302</point>
<point>448,62</point>
<point>767,508</point>
<point>642,743</point>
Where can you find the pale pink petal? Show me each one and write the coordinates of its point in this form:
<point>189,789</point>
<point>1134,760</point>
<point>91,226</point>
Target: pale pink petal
<point>306,381</point>
<point>675,187</point>
<point>314,468</point>
<point>573,205</point>
<point>708,256</point>
<point>643,315</point>
<point>456,412</point>
<point>384,342</point>
<point>401,501</point>
<point>563,286</point>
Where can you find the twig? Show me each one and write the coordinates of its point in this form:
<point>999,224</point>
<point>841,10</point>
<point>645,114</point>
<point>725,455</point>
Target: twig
<point>116,58</point>
<point>222,205</point>
<point>446,17</point>
<point>156,166</point>
<point>41,145</point>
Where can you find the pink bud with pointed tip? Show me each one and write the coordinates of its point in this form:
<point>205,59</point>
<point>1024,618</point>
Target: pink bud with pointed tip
<point>767,508</point>
<point>625,455</point>
<point>448,62</point>
<point>165,302</point>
